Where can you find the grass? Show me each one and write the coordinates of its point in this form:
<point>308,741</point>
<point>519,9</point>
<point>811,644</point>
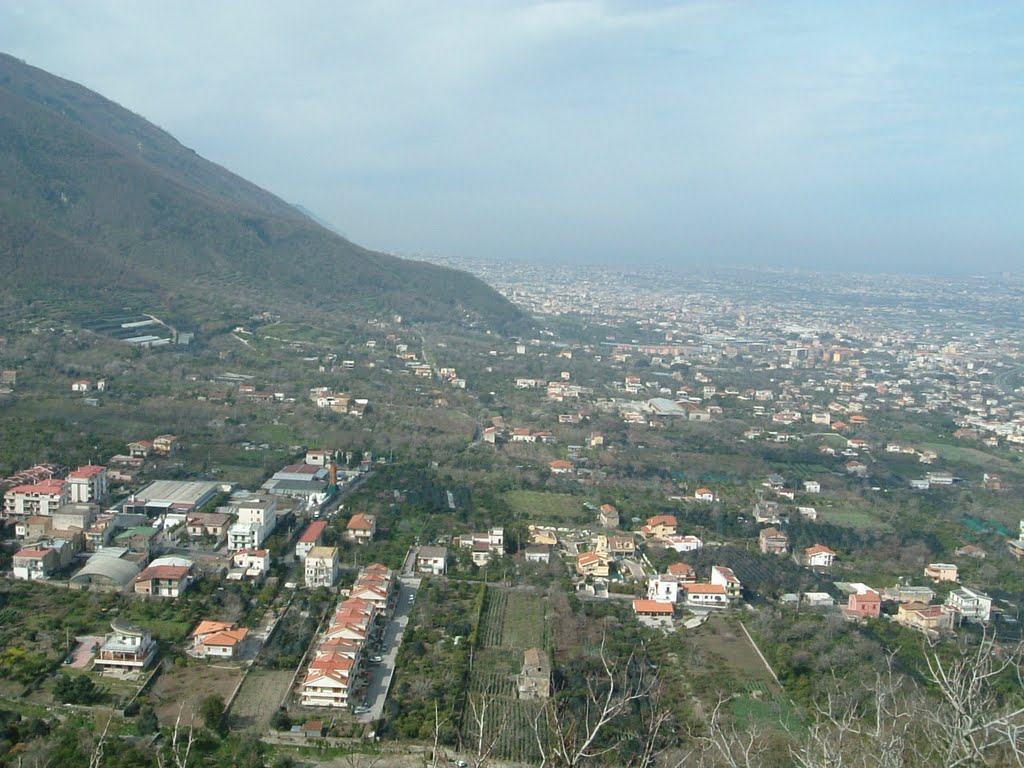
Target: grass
<point>544,507</point>
<point>852,519</point>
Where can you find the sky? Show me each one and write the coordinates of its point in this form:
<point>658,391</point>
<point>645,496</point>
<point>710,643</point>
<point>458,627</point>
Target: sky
<point>861,136</point>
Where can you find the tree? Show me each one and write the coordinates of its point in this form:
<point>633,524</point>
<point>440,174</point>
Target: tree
<point>78,689</point>
<point>569,728</point>
<point>147,722</point>
<point>214,714</point>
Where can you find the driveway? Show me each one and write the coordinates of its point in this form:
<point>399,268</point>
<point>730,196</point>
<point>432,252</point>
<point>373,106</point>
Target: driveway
<point>382,674</point>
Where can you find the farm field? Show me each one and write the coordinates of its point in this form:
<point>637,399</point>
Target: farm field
<point>722,638</point>
<point>851,518</point>
<point>545,507</point>
<point>183,688</point>
<point>259,697</point>
<point>513,620</point>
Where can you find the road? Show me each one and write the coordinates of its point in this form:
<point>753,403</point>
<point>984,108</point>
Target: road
<point>383,673</point>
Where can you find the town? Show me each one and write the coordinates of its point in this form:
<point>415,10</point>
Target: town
<point>724,491</point>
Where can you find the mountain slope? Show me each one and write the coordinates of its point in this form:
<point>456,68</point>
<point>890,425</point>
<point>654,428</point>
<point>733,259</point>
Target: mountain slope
<point>100,203</point>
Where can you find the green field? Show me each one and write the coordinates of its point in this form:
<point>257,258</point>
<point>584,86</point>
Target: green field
<point>852,519</point>
<point>543,507</point>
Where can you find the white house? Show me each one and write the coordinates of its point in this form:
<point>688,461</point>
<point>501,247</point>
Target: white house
<point>218,639</point>
<point>970,604</point>
<point>251,563</point>
<point>812,486</point>
<point>322,567</point>
<point>724,577</point>
<point>128,645</point>
<point>706,596</point>
<point>257,518</point>
<point>819,556</point>
<point>432,560</point>
<point>663,587</point>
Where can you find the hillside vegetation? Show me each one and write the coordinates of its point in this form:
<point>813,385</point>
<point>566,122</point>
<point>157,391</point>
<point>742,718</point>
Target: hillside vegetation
<point>108,209</point>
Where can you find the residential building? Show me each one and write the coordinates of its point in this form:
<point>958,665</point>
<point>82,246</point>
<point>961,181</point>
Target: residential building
<point>664,587</point>
<point>724,577</point>
<point>608,516</point>
<point>970,604</point>
<point>534,680</point>
<point>683,572</point>
<point>706,596</point>
<point>592,564</point>
<point>218,639</point>
<point>863,603</point>
<point>213,525</point>
<point>41,498</point>
<point>538,553</point>
<point>484,546</point>
<point>812,486</point>
<point>655,608</point>
<point>930,619</point>
<point>773,541</point>
<point>165,577</point>
<point>250,564</point>
<point>684,543</point>
<point>819,556</point>
<point>87,484</point>
<point>432,560</point>
<point>257,518</point>
<point>659,527</point>
<point>128,645</point>
<point>704,495</point>
<point>311,537</point>
<point>36,563</point>
<point>939,572</point>
<point>322,567</point>
<point>361,528</point>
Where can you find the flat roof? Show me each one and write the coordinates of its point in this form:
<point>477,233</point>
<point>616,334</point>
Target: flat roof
<point>176,491</point>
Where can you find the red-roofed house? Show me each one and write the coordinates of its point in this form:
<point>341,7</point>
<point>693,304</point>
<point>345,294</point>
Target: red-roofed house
<point>311,537</point>
<point>361,528</point>
<point>660,527</point>
<point>32,564</point>
<point>819,556</point>
<point>219,639</point>
<point>42,498</point>
<point>163,580</point>
<point>864,603</point>
<point>652,608</point>
<point>682,571</point>
<point>706,596</point>
<point>88,483</point>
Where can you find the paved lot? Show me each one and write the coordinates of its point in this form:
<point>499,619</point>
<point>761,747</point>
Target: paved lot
<point>382,674</point>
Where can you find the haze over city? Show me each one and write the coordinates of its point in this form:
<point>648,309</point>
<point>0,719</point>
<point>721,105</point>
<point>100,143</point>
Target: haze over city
<point>883,137</point>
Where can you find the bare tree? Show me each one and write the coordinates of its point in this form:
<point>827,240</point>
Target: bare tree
<point>570,735</point>
<point>724,743</point>
<point>181,744</point>
<point>865,731</point>
<point>487,732</point>
<point>436,757</point>
<point>972,725</point>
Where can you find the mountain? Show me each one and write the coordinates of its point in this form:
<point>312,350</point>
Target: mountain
<point>101,208</point>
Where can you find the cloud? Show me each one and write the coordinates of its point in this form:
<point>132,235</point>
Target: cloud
<point>585,129</point>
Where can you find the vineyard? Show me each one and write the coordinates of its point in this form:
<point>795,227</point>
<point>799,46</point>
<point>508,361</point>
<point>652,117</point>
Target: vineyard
<point>512,622</point>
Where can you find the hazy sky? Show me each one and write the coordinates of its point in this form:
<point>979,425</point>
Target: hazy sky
<point>859,135</point>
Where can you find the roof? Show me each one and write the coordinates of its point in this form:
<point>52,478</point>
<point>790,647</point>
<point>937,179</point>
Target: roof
<point>587,558</point>
<point>206,627</point>
<point>818,549</point>
<point>652,606</point>
<point>431,552</point>
<point>313,532</point>
<point>229,638</point>
<point>176,572</point>
<point>89,470</point>
<point>360,522</point>
<point>327,553</point>
<point>177,491</point>
<point>112,569</point>
<point>705,589</point>
<point>768,533</point>
<point>32,552</point>
<point>301,469</point>
<point>662,520</point>
<point>680,569</point>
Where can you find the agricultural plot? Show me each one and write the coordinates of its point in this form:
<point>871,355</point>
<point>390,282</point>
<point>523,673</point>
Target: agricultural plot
<point>513,620</point>
<point>260,695</point>
<point>722,639</point>
<point>182,688</point>
<point>543,507</point>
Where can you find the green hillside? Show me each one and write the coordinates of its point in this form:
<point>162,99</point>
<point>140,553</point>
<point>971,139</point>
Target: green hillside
<point>101,207</point>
